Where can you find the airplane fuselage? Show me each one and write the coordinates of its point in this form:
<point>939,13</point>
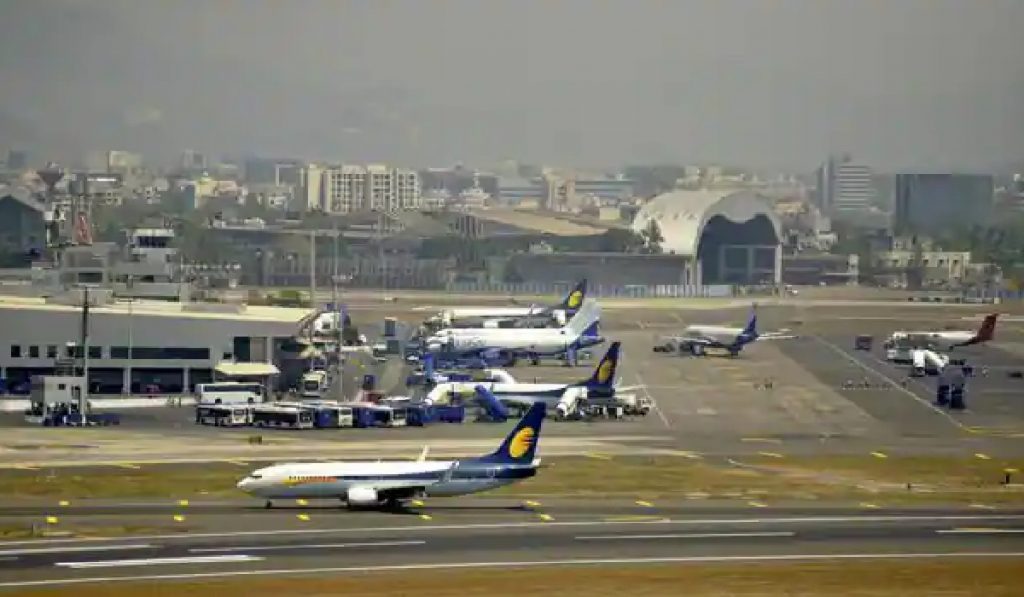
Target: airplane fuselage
<point>516,393</point>
<point>336,479</point>
<point>722,335</point>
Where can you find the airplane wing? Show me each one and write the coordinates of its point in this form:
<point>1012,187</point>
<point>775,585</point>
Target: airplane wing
<point>777,336</point>
<point>691,340</point>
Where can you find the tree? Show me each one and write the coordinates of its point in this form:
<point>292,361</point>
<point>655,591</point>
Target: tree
<point>512,273</point>
<point>620,240</point>
<point>652,237</point>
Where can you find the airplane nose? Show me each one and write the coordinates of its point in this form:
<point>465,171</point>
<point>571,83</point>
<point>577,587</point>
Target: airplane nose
<point>244,484</point>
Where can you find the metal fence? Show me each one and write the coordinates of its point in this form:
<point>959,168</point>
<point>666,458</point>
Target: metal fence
<point>598,290</point>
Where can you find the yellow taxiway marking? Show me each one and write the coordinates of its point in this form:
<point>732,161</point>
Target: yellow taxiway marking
<point>869,505</point>
<point>237,462</point>
<point>416,503</point>
<point>982,507</point>
<point>531,504</point>
<point>179,518</point>
<point>1010,470</point>
<point>127,465</point>
<point>52,520</point>
<point>645,504</point>
<point>770,454</point>
<point>301,502</point>
<point>637,518</point>
<point>426,517</point>
<point>545,517</point>
<point>879,454</point>
<point>597,456</point>
<point>757,504</point>
<point>761,440</point>
<point>64,503</point>
<point>182,502</point>
<point>303,517</point>
<point>981,456</point>
<point>26,467</point>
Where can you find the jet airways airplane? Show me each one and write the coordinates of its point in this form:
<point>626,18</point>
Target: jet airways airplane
<point>375,484</point>
<point>495,316</point>
<point>696,339</point>
<point>949,339</point>
<point>580,332</point>
<point>559,397</point>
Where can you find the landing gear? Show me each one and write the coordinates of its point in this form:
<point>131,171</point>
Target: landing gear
<point>268,505</point>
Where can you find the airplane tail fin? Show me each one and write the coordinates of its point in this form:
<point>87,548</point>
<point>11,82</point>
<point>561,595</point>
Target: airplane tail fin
<point>603,377</point>
<point>987,331</point>
<point>520,445</point>
<point>584,321</point>
<point>750,331</point>
<point>574,300</point>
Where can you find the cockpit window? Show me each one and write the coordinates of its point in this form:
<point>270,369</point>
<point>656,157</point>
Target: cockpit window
<point>256,476</point>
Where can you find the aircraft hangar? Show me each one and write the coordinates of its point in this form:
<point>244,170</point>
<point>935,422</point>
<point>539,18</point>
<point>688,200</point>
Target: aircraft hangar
<point>728,237</point>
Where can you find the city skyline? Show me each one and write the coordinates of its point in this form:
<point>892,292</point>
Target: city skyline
<point>915,85</point>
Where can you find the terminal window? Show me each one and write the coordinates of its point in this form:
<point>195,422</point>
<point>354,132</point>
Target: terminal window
<point>33,352</point>
<point>51,351</point>
<point>15,351</point>
<point>95,352</point>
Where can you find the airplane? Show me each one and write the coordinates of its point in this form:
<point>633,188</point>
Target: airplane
<point>430,376</point>
<point>580,332</point>
<point>499,316</point>
<point>561,398</point>
<point>389,484</point>
<point>948,340</point>
<point>696,339</point>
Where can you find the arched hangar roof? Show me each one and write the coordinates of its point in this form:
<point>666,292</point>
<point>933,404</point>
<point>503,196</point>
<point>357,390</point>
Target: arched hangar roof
<point>682,215</point>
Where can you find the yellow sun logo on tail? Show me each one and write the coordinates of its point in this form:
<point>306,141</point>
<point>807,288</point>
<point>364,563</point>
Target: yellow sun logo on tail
<point>521,442</point>
<point>575,300</point>
<point>604,371</point>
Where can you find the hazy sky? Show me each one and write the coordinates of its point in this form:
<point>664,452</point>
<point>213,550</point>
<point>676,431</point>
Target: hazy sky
<point>763,83</point>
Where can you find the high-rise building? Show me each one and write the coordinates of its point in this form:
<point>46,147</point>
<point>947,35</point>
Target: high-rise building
<point>380,192</point>
<point>343,189</point>
<point>192,161</point>
<point>407,189</point>
<point>932,204</point>
<point>309,193</point>
<point>844,186</point>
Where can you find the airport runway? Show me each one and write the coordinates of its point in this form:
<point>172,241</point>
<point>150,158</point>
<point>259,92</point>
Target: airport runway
<point>336,541</point>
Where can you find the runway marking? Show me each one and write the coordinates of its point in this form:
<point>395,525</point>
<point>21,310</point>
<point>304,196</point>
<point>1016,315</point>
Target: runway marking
<point>521,525</point>
<point>159,561</point>
<point>763,440</point>
<point>127,465</point>
<point>636,518</point>
<point>426,517</point>
<point>26,467</point>
<point>756,504</point>
<point>521,564</point>
<point>182,502</point>
<point>891,381</point>
<point>72,549</point>
<point>686,536</point>
<point>64,503</point>
<point>597,456</point>
<point>770,454</point>
<point>545,517</point>
<point>982,507</point>
<point>301,502</point>
<point>310,546</point>
<point>654,403</point>
<point>52,520</point>
<point>416,503</point>
<point>981,456</point>
<point>237,462</point>
<point>303,517</point>
<point>531,503</point>
<point>644,503</point>
<point>178,518</point>
<point>880,455</point>
<point>978,531</point>
<point>869,505</point>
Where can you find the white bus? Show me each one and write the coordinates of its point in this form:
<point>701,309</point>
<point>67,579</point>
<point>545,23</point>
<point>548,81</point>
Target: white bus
<point>223,415</point>
<point>229,392</point>
<point>283,416</point>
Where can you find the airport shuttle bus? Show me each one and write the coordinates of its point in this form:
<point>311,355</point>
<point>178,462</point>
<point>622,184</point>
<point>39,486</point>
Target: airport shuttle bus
<point>229,392</point>
<point>221,415</point>
<point>290,417</point>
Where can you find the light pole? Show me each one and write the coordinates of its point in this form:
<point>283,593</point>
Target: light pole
<point>131,333</point>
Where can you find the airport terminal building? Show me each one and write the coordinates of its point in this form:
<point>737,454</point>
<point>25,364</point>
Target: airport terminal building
<point>149,346</point>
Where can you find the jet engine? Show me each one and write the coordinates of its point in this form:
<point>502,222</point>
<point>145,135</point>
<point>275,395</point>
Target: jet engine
<point>362,496</point>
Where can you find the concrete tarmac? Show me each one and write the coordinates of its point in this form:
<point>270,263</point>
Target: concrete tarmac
<point>468,533</point>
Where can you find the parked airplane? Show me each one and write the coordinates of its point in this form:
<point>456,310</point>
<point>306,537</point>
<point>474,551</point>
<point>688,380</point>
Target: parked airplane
<point>374,484</point>
<point>512,316</point>
<point>560,398</point>
<point>430,376</point>
<point>696,339</point>
<point>580,332</point>
<point>948,339</point>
